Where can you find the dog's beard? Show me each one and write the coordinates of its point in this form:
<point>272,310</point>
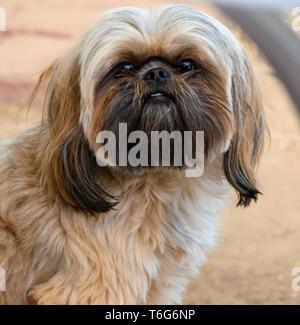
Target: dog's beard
<point>182,108</point>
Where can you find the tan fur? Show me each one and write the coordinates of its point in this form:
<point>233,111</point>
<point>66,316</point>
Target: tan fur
<point>53,255</point>
<point>57,250</point>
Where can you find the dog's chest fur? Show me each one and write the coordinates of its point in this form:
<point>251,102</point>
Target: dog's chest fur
<point>141,252</point>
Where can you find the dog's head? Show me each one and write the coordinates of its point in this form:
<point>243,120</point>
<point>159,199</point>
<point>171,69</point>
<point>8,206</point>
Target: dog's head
<point>169,68</point>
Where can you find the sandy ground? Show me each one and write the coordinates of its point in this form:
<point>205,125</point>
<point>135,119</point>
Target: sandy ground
<point>258,246</point>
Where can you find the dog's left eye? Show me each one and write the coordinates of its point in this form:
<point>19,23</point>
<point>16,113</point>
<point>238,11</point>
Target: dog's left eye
<point>187,65</point>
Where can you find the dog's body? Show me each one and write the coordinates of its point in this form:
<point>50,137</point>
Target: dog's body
<point>62,241</point>
<point>142,252</point>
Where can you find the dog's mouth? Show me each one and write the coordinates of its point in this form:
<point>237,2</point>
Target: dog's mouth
<point>157,94</point>
<point>158,97</point>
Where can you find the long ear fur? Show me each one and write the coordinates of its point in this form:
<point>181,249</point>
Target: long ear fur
<point>241,159</point>
<point>69,169</point>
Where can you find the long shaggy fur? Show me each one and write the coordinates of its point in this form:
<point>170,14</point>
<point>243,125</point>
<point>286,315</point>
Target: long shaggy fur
<point>74,233</point>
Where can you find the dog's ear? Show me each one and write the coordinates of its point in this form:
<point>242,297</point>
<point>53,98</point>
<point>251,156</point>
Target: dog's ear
<point>240,161</point>
<point>69,168</point>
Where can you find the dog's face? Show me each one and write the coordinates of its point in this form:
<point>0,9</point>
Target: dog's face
<point>164,70</point>
<point>170,68</point>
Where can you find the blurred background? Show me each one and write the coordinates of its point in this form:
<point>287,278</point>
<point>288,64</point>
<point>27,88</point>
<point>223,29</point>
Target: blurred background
<point>258,246</point>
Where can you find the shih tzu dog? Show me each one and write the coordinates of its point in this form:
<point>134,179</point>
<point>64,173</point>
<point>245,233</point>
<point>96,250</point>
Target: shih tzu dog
<point>74,232</point>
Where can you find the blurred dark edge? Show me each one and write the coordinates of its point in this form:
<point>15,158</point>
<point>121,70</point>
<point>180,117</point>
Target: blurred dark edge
<point>275,39</point>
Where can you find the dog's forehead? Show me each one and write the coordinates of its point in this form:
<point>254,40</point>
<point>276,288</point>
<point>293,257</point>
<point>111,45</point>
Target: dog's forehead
<point>158,21</point>
<point>167,31</point>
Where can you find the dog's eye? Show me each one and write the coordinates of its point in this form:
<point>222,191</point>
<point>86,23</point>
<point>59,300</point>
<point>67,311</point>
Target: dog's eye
<point>127,66</point>
<point>187,65</point>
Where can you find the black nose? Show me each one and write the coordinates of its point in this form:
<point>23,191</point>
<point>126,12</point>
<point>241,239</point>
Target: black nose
<point>157,74</point>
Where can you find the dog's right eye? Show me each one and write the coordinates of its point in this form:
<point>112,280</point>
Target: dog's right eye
<point>127,66</point>
<point>123,68</point>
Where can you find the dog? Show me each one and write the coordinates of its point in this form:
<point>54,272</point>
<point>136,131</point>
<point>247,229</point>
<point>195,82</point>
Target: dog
<point>74,232</point>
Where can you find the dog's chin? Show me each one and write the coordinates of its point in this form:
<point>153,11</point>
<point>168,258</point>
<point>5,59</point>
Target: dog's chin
<point>160,112</point>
